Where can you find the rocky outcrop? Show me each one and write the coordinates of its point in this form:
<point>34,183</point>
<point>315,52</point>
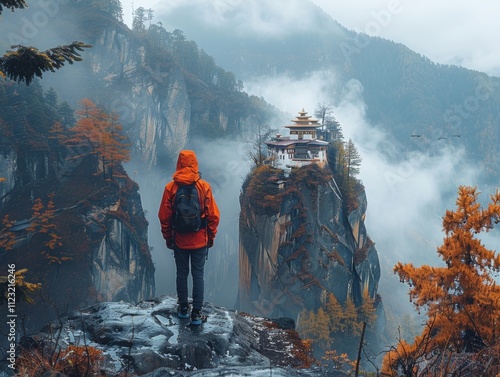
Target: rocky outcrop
<point>304,246</point>
<point>151,100</point>
<point>82,237</point>
<point>148,339</point>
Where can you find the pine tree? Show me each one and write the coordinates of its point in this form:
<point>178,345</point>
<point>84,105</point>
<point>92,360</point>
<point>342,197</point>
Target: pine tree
<point>66,114</point>
<point>352,160</point>
<point>12,5</point>
<point>57,133</point>
<point>327,119</point>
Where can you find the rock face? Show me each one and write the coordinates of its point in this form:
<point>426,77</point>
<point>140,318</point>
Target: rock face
<point>152,101</point>
<point>86,241</point>
<point>307,247</point>
<point>149,340</point>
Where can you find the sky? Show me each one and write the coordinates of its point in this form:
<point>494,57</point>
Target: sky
<point>461,32</point>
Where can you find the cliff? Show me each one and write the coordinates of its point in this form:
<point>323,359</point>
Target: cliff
<point>165,89</point>
<point>298,243</point>
<point>148,339</point>
<point>82,237</point>
<point>150,96</point>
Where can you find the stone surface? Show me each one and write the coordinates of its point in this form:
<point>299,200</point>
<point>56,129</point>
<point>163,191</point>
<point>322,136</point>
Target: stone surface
<point>148,339</point>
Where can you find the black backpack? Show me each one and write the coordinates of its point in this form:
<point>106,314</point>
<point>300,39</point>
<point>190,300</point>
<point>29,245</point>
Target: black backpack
<point>186,210</point>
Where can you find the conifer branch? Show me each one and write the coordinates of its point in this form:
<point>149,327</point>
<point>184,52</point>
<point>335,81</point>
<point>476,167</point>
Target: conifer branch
<point>24,63</point>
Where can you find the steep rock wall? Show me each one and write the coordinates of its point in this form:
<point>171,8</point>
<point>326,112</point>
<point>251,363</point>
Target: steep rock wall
<point>292,258</point>
<point>102,252</point>
<point>152,101</point>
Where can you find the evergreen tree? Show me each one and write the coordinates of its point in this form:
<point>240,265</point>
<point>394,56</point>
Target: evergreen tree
<point>12,5</point>
<point>51,98</point>
<point>139,21</point>
<point>352,160</point>
<point>329,124</point>
<point>66,114</point>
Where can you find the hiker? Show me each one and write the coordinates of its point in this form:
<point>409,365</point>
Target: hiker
<point>189,227</point>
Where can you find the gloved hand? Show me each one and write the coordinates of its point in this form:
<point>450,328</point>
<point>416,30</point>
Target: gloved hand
<point>170,244</point>
<point>210,243</point>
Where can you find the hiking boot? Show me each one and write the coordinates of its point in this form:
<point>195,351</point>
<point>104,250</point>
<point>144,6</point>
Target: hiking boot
<point>183,311</point>
<point>197,318</point>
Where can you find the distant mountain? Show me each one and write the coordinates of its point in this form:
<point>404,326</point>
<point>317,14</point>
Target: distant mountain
<point>405,93</point>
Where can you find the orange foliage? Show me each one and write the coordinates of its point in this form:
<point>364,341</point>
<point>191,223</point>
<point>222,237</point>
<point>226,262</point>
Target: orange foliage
<point>462,298</point>
<point>72,361</point>
<point>7,237</point>
<point>103,133</point>
<point>43,222</point>
<point>340,362</point>
<point>262,191</point>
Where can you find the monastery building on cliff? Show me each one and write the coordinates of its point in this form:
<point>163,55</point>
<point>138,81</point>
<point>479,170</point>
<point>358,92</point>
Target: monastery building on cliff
<point>302,147</point>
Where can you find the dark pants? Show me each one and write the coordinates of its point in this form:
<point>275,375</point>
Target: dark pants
<point>197,257</point>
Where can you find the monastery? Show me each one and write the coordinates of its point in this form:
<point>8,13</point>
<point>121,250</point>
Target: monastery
<point>302,147</point>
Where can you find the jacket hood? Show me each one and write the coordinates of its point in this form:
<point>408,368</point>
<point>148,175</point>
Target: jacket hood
<point>187,168</point>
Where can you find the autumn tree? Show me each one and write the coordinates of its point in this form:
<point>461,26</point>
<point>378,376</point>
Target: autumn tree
<point>462,298</point>
<point>112,148</point>
<point>315,326</point>
<point>102,133</point>
<point>335,312</point>
<point>43,222</point>
<point>7,236</point>
<point>24,289</point>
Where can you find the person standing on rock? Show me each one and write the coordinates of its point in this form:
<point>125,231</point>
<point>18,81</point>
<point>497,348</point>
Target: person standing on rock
<point>189,218</point>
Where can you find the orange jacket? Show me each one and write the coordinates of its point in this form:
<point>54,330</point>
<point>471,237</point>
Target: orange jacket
<point>187,173</point>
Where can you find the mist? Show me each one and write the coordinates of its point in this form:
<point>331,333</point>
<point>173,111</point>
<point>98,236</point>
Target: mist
<point>223,163</point>
<point>256,18</point>
<point>408,190</point>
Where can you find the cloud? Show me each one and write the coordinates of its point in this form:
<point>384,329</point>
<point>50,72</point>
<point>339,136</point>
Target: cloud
<point>291,94</point>
<point>256,18</point>
<point>408,191</point>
